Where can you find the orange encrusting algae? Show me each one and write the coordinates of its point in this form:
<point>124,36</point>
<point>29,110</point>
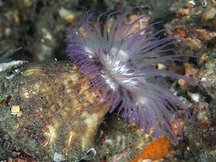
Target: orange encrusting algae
<point>155,150</point>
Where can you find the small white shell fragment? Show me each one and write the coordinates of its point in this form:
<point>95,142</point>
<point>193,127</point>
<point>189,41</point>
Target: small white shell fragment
<point>66,14</point>
<point>58,157</point>
<point>15,109</point>
<point>160,66</point>
<point>196,97</point>
<point>4,66</point>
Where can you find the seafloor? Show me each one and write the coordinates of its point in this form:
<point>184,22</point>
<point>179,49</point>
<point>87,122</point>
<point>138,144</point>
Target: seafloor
<point>34,30</point>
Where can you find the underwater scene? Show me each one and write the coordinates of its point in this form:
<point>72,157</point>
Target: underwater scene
<point>107,81</point>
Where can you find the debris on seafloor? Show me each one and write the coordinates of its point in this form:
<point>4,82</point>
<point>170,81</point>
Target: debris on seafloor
<point>196,28</point>
<point>199,139</point>
<point>190,71</point>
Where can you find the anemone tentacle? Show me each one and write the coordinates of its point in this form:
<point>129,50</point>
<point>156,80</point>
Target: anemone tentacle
<point>122,64</point>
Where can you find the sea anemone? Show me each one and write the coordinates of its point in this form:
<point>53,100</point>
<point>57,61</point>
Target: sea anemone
<point>122,66</point>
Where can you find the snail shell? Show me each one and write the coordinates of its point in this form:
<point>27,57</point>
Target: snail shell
<point>50,109</point>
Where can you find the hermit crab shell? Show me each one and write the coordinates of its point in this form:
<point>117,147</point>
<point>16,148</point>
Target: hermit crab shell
<point>48,110</point>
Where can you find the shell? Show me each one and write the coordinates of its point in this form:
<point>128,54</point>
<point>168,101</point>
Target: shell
<point>209,13</point>
<point>49,110</point>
